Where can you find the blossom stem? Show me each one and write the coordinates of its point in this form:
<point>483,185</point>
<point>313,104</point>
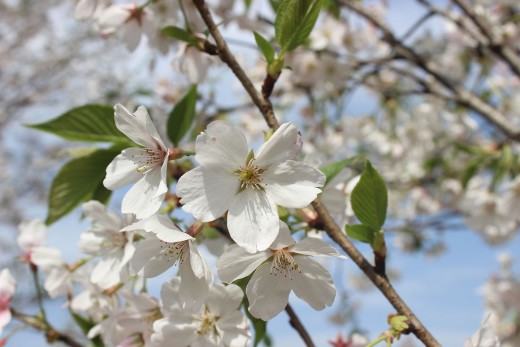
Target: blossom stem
<point>39,294</point>
<point>298,326</point>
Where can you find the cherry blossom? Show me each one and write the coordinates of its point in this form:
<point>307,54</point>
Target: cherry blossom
<point>7,287</point>
<point>484,337</point>
<point>283,268</point>
<point>146,167</point>
<point>32,234</point>
<point>217,323</point>
<point>248,185</point>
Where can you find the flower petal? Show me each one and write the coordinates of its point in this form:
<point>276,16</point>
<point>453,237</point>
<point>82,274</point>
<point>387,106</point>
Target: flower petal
<point>146,196</point>
<point>237,263</point>
<point>222,145</point>
<point>253,220</point>
<point>285,144</point>
<point>315,246</point>
<point>122,170</point>
<point>267,294</point>
<point>138,127</point>
<point>207,192</point>
<point>147,257</point>
<point>223,300</point>
<point>292,184</point>
<point>314,284</point>
<point>193,290</point>
<point>161,226</point>
<point>284,238</point>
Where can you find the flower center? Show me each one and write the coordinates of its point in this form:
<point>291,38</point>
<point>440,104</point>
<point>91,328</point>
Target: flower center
<point>284,263</point>
<point>207,323</point>
<point>250,176</point>
<point>174,251</point>
<point>148,159</point>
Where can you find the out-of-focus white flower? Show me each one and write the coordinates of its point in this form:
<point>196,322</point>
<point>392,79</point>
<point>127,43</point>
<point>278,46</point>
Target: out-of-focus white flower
<point>32,234</point>
<point>218,323</point>
<point>248,185</point>
<point>130,19</point>
<point>329,33</point>
<point>7,287</point>
<point>192,62</point>
<point>166,245</point>
<point>59,276</point>
<point>484,337</point>
<point>283,268</point>
<point>106,240</point>
<point>146,167</point>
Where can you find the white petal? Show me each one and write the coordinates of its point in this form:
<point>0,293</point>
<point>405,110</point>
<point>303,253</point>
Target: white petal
<point>146,196</point>
<point>223,300</point>
<point>253,220</point>
<point>237,263</point>
<point>122,170</point>
<point>207,192</point>
<point>236,328</point>
<point>314,246</point>
<point>314,285</point>
<point>285,144</point>
<point>131,34</point>
<point>223,145</point>
<point>112,18</point>
<point>147,257</point>
<point>193,290</point>
<point>292,184</point>
<point>106,272</point>
<point>198,264</point>
<point>284,238</point>
<point>138,127</point>
<point>170,295</point>
<point>267,294</point>
<point>7,283</point>
<point>46,258</point>
<point>161,226</point>
<point>84,9</point>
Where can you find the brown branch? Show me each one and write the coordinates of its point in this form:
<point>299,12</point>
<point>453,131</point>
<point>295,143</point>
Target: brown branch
<point>51,334</point>
<point>263,104</point>
<point>462,96</point>
<point>298,326</point>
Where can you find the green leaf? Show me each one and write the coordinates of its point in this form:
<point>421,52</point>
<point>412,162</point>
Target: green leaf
<point>265,47</point>
<point>294,22</point>
<point>182,115</point>
<point>259,325</point>
<point>78,180</point>
<point>370,199</point>
<point>91,123</point>
<point>179,34</point>
<point>361,232</point>
<point>333,169</point>
<point>85,325</point>
<point>471,169</point>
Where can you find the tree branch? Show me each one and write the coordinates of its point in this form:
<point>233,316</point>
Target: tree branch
<point>298,326</point>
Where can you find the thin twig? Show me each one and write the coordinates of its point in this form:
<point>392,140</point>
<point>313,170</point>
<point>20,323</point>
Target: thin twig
<point>298,326</point>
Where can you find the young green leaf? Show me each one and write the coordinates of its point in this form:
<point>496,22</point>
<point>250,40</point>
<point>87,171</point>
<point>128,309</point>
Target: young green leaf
<point>361,232</point>
<point>333,169</point>
<point>179,34</point>
<point>182,115</point>
<point>294,22</point>
<point>91,123</point>
<point>78,180</point>
<point>265,47</point>
<point>370,199</point>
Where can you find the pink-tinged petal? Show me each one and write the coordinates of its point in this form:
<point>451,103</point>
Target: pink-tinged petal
<point>267,294</point>
<point>31,234</point>
<point>207,192</point>
<point>237,263</point>
<point>314,246</point>
<point>253,220</point>
<point>314,284</point>
<point>223,300</point>
<point>146,196</point>
<point>222,145</point>
<point>7,284</point>
<point>122,170</point>
<point>292,184</point>
<point>284,238</point>
<point>161,226</point>
<point>285,144</point>
<point>147,257</point>
<point>131,34</point>
<point>138,127</point>
<point>193,290</point>
<point>5,318</point>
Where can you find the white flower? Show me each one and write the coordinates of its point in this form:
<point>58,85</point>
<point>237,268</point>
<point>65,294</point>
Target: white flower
<point>105,239</point>
<point>32,234</point>
<point>146,167</point>
<point>484,337</point>
<point>217,323</point>
<point>166,245</point>
<point>59,277</point>
<point>277,271</point>
<point>131,19</point>
<point>249,186</point>
<point>7,287</point>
